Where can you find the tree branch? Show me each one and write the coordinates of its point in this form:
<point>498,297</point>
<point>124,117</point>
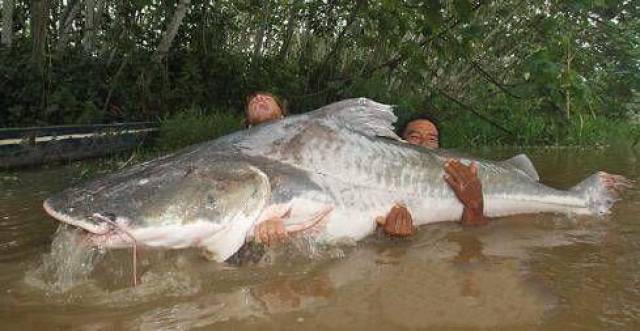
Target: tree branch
<point>67,18</point>
<point>475,112</point>
<point>172,30</point>
<point>394,62</point>
<point>7,22</point>
<point>492,80</point>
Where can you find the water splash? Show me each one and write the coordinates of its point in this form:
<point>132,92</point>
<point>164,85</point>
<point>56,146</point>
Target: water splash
<point>68,264</point>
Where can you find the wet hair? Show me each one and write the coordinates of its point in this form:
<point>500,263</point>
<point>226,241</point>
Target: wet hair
<point>281,103</point>
<point>402,126</point>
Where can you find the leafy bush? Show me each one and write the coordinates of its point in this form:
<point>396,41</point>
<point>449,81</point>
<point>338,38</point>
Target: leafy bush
<point>538,129</point>
<point>194,126</point>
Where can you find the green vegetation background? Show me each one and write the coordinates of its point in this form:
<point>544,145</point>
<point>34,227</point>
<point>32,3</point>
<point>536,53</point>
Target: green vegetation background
<point>493,72</point>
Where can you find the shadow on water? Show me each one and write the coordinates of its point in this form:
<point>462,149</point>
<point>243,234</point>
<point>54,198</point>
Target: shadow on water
<point>523,272</point>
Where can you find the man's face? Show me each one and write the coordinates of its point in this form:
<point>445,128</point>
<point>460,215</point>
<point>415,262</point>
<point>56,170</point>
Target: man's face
<point>262,108</point>
<point>422,133</point>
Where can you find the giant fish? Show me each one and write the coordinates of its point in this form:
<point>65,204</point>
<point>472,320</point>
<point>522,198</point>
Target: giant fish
<point>329,173</point>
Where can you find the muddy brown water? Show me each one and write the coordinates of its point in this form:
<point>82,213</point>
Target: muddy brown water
<point>552,272</point>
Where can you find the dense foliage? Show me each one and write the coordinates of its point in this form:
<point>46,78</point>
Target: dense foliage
<point>506,72</point>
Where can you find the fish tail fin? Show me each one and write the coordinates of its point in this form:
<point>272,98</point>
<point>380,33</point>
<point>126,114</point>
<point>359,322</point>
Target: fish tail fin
<point>601,190</point>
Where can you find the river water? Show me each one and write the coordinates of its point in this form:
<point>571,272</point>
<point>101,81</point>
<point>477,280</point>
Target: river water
<point>552,272</point>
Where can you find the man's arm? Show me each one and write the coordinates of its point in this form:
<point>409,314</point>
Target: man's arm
<point>271,231</point>
<point>398,222</point>
<point>466,185</point>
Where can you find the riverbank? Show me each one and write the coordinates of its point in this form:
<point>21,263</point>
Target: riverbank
<point>465,131</point>
<point>460,130</point>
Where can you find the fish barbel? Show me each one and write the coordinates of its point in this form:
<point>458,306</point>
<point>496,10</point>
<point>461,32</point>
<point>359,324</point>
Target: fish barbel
<point>329,172</point>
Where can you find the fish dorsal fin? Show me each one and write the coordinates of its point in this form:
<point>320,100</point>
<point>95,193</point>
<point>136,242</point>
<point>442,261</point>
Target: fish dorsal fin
<point>522,162</point>
<point>362,115</point>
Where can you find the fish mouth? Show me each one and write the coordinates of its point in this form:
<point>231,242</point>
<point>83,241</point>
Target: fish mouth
<point>99,230</point>
<point>88,224</point>
<point>105,231</point>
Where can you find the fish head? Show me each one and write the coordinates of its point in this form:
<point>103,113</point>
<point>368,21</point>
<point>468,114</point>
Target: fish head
<point>173,207</point>
<point>218,193</point>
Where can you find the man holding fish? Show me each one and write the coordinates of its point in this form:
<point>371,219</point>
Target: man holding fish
<point>262,107</point>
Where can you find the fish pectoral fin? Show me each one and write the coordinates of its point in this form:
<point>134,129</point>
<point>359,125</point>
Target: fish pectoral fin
<point>226,242</point>
<point>310,222</point>
<point>298,215</point>
<point>281,210</point>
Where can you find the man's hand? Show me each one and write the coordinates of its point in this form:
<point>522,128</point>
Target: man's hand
<point>466,185</point>
<point>270,231</point>
<point>398,222</point>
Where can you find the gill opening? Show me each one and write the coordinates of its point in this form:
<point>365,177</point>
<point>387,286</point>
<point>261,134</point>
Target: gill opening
<point>134,244</point>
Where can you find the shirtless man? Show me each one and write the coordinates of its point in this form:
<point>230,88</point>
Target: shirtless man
<point>263,107</point>
<point>463,180</point>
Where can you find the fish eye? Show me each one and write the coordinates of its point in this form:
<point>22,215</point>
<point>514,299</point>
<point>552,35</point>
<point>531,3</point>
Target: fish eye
<point>211,202</point>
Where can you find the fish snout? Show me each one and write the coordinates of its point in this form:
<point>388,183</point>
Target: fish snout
<point>74,216</point>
